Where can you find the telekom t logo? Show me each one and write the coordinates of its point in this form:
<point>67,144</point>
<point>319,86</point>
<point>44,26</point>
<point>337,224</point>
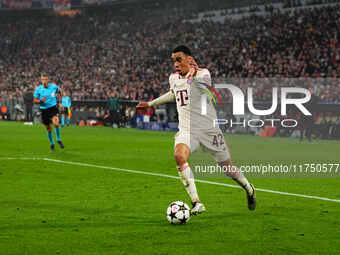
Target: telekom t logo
<point>238,100</point>
<point>182,96</point>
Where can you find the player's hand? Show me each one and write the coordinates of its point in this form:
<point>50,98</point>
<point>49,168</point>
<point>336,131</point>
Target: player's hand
<point>193,63</point>
<point>193,66</point>
<point>192,72</point>
<point>43,100</point>
<point>142,105</point>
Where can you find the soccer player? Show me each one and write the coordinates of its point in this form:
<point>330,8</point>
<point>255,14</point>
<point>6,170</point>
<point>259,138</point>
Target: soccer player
<point>66,109</point>
<point>195,129</point>
<point>46,95</point>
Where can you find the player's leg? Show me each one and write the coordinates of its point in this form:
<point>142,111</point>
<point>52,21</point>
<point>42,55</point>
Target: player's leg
<point>50,136</point>
<point>46,120</point>
<point>216,145</point>
<point>236,174</point>
<point>181,154</point>
<point>55,121</point>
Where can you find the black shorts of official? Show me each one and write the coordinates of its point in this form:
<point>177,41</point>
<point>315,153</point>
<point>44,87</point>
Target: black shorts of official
<point>65,111</point>
<point>48,114</point>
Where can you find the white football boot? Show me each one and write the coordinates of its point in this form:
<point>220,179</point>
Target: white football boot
<point>197,208</point>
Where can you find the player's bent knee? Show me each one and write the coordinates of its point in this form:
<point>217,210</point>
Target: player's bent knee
<point>181,154</point>
<point>180,158</point>
<point>55,121</point>
<point>226,163</point>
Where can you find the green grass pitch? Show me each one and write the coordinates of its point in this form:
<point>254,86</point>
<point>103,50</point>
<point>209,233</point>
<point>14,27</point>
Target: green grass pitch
<point>54,208</point>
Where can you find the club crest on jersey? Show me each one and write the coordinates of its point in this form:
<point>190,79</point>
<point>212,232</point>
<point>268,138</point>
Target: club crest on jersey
<point>53,94</point>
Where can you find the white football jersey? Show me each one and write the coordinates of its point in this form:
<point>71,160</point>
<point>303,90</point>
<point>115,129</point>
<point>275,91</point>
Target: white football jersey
<point>196,110</point>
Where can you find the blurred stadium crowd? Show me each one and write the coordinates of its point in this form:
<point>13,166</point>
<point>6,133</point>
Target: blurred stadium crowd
<point>97,53</point>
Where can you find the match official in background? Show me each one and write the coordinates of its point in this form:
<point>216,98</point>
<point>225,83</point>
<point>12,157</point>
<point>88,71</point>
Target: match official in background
<point>46,95</point>
<point>308,121</point>
<point>28,101</point>
<point>113,106</point>
<point>66,109</point>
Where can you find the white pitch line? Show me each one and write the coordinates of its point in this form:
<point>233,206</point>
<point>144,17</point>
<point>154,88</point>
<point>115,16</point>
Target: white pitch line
<point>21,158</point>
<point>196,180</point>
<point>175,177</point>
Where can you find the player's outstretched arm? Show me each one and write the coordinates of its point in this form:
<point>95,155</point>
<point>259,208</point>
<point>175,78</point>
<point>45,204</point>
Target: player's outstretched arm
<point>166,98</point>
<point>143,105</point>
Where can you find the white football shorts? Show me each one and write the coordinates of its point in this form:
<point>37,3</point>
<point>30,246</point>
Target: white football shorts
<point>212,142</point>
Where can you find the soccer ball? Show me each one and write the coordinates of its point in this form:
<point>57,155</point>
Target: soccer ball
<point>178,213</point>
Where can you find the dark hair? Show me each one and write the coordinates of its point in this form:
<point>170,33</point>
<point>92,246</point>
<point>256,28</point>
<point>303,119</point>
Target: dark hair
<point>182,48</point>
<point>44,74</point>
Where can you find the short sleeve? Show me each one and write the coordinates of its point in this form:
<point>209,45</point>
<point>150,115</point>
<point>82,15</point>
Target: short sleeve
<point>204,77</point>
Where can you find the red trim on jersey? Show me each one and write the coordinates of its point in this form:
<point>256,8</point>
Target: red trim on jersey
<point>215,92</point>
